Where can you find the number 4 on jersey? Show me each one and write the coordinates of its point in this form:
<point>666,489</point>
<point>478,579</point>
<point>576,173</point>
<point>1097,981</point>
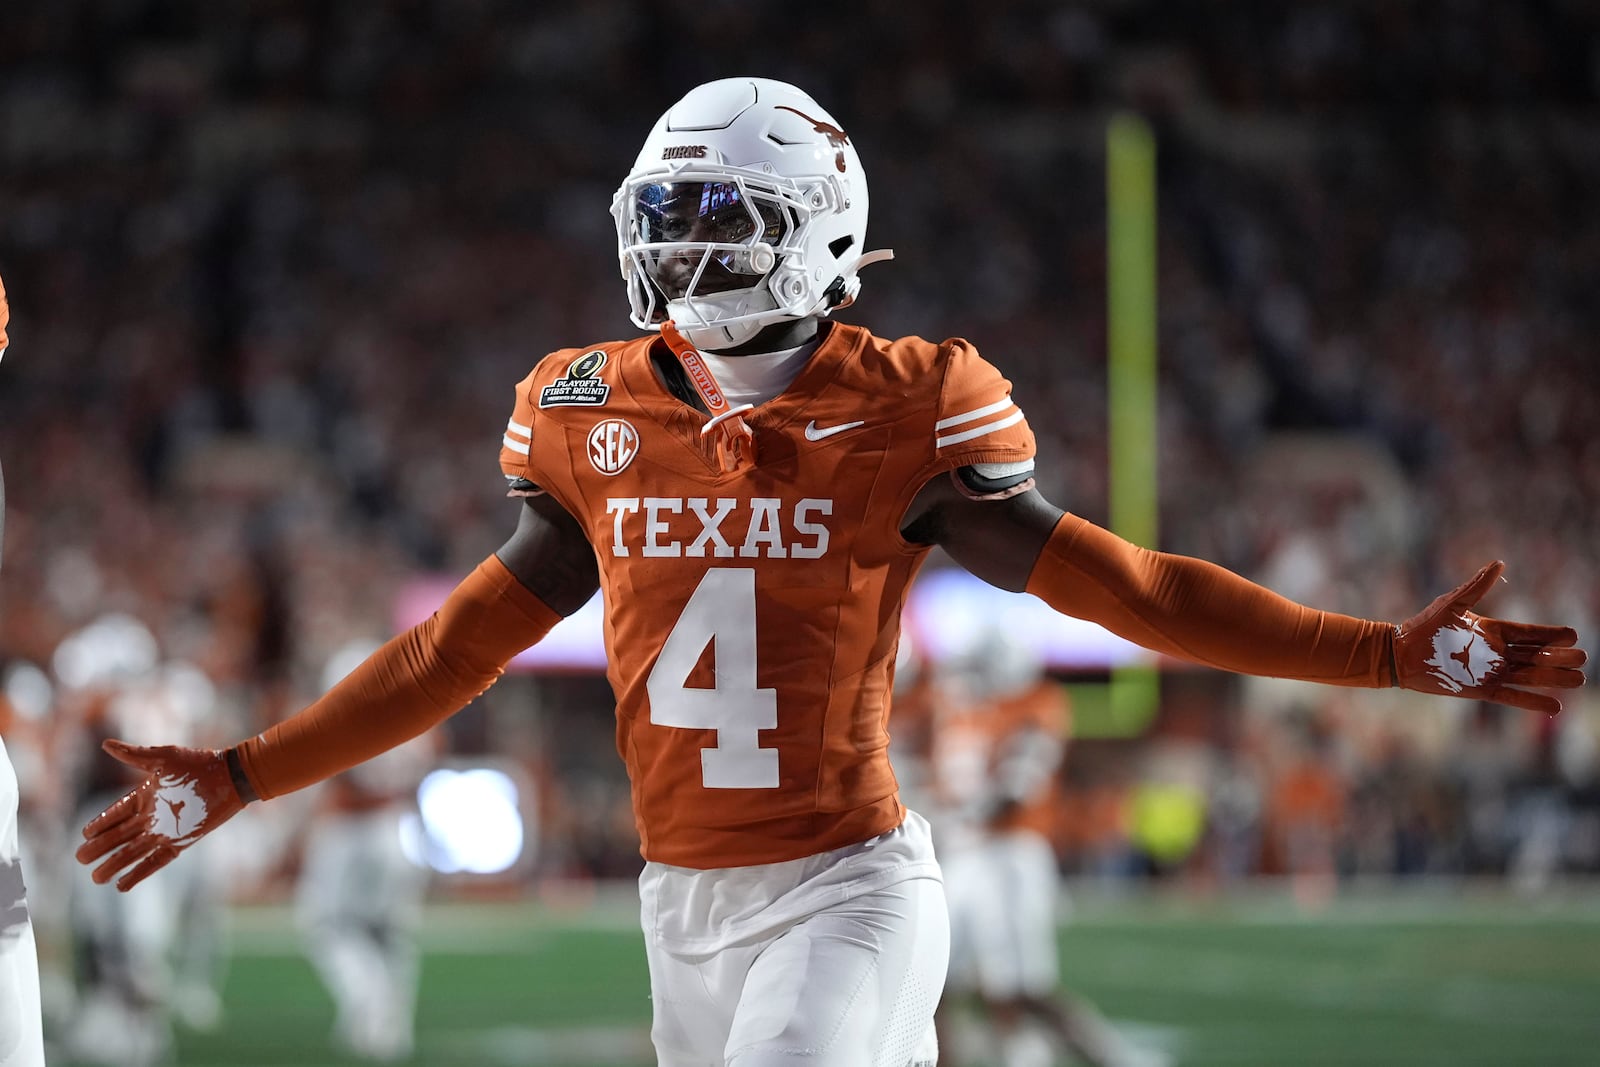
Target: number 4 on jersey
<point>722,611</point>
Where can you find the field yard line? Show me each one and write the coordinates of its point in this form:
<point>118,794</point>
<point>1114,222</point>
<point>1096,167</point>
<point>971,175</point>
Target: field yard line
<point>1231,975</point>
<point>446,929</point>
<point>1376,915</point>
<point>270,944</point>
<point>501,930</point>
<point>514,1046</point>
<point>1432,902</point>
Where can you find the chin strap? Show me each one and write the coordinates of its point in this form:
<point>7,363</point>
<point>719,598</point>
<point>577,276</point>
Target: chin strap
<point>882,255</point>
<point>853,287</point>
<point>736,442</point>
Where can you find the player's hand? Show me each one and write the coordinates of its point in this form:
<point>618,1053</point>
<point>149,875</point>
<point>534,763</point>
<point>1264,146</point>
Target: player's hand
<point>188,794</point>
<point>1448,649</point>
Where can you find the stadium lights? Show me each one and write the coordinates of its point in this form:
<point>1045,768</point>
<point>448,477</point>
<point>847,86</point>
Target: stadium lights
<point>471,822</point>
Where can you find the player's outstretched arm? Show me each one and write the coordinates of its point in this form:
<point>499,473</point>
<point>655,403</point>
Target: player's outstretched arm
<point>1200,612</point>
<point>411,684</point>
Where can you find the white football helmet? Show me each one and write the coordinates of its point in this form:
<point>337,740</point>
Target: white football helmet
<point>747,206</point>
<point>997,664</point>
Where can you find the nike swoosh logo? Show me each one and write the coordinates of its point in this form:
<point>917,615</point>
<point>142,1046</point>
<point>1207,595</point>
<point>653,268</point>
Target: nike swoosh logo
<point>814,434</point>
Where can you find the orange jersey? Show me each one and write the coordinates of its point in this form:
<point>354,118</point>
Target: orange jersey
<point>751,617</point>
<point>1005,749</point>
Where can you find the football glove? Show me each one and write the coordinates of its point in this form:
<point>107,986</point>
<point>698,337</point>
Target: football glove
<point>188,794</point>
<point>1450,650</point>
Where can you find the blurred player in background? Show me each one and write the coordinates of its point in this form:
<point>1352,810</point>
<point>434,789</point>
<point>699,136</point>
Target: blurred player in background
<point>754,489</point>
<point>149,958</point>
<point>359,896</point>
<point>21,1029</point>
<point>996,750</point>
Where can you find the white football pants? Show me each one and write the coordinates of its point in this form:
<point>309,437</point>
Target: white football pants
<point>852,985</point>
<point>21,1031</point>
<point>358,904</point>
<point>1003,893</point>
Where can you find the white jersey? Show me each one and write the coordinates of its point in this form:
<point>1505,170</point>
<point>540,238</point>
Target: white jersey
<point>21,1033</point>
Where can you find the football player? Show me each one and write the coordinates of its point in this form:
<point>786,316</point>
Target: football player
<point>753,487</point>
<point>359,896</point>
<point>149,958</point>
<point>997,745</point>
<point>21,1025</point>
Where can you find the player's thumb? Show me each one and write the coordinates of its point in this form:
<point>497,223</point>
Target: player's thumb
<point>1475,588</point>
<point>153,760</point>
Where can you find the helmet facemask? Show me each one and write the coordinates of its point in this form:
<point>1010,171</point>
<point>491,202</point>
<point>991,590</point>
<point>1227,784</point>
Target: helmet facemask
<point>719,250</point>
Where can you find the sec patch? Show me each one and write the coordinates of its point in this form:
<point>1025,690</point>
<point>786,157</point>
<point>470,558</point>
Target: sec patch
<point>612,445</point>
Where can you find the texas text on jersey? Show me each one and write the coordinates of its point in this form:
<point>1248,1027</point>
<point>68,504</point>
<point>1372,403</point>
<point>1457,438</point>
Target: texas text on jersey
<point>752,710</point>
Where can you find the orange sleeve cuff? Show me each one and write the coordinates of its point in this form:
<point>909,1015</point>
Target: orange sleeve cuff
<point>411,684</point>
<point>1200,612</point>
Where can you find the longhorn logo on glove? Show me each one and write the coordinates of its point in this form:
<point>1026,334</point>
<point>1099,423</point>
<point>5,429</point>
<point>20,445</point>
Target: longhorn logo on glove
<point>179,811</point>
<point>1462,657</point>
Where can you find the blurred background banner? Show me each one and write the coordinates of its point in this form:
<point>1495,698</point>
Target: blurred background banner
<point>945,613</point>
<point>276,267</point>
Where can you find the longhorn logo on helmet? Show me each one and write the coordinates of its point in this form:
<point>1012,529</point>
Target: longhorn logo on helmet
<point>836,137</point>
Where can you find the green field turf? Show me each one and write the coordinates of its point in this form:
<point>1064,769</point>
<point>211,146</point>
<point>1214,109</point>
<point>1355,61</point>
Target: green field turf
<point>1439,979</point>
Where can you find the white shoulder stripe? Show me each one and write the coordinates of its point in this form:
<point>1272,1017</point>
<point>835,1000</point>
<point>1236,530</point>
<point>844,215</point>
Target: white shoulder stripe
<point>515,446</point>
<point>520,430</point>
<point>967,435</point>
<point>996,471</point>
<point>975,413</point>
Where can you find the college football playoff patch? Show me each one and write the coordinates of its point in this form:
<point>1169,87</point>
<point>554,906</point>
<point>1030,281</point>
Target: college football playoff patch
<point>579,386</point>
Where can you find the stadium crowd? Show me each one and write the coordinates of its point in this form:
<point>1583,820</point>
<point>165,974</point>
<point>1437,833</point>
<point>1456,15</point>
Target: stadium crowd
<point>275,267</point>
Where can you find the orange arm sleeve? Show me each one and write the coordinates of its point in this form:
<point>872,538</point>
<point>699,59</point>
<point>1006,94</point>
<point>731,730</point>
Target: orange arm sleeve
<point>413,683</point>
<point>1200,612</point>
